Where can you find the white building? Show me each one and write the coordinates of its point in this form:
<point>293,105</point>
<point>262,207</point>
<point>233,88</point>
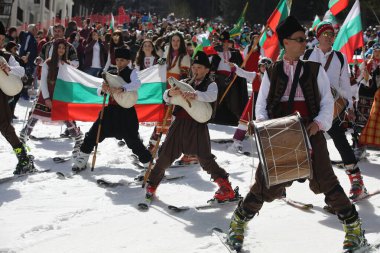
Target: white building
<point>19,12</point>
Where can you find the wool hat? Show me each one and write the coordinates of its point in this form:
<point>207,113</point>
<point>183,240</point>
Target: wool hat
<point>323,27</point>
<point>287,27</point>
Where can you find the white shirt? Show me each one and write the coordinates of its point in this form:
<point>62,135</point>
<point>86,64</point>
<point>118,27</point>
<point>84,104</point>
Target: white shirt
<point>248,75</point>
<point>225,57</point>
<point>96,56</point>
<point>338,75</point>
<point>134,85</point>
<point>15,67</point>
<point>325,115</point>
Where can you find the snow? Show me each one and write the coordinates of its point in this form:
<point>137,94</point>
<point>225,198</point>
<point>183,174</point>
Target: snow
<point>42,213</point>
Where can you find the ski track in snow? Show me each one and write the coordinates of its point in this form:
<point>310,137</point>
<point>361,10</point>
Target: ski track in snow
<point>41,213</point>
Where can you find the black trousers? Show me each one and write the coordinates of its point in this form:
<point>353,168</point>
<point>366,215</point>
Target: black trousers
<point>120,123</point>
<point>338,135</point>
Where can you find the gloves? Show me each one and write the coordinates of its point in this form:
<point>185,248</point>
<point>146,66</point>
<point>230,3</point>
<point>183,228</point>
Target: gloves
<point>161,61</point>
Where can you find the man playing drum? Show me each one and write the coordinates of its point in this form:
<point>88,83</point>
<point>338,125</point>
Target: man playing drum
<point>335,65</point>
<point>25,163</point>
<point>293,85</point>
<point>188,136</point>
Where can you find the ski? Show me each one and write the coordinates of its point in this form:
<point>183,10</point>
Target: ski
<point>10,178</point>
<point>211,204</point>
<point>366,196</point>
<point>298,204</point>
<point>35,138</point>
<point>62,175</point>
<point>246,153</point>
<point>108,184</point>
<point>218,232</point>
<point>61,159</point>
<point>144,206</point>
<point>222,141</point>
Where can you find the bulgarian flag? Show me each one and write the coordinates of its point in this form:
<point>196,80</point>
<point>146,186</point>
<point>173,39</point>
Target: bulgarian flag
<point>337,6</point>
<point>269,40</point>
<point>350,36</point>
<point>316,21</point>
<point>75,95</point>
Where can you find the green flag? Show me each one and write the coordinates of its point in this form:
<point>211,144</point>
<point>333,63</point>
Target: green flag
<point>316,21</point>
<point>236,31</point>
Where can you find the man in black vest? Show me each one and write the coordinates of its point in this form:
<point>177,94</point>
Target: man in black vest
<point>335,65</point>
<point>25,163</point>
<point>188,136</point>
<point>118,122</point>
<point>294,85</point>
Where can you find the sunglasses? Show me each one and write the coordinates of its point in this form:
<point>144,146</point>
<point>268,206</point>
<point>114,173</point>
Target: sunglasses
<point>299,39</point>
<point>328,34</point>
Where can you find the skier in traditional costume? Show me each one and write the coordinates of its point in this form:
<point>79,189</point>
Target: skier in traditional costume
<point>311,96</point>
<point>25,162</point>
<point>188,136</point>
<point>118,122</point>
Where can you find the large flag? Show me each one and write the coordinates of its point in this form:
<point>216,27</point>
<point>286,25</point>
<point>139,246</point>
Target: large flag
<point>316,21</point>
<point>269,40</point>
<point>337,6</point>
<point>75,95</point>
<point>236,31</point>
<point>350,36</point>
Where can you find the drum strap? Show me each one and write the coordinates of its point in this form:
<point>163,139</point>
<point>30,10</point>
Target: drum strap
<point>327,65</point>
<point>294,86</point>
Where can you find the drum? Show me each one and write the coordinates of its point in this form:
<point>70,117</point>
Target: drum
<point>284,149</point>
<point>340,105</point>
<point>10,84</point>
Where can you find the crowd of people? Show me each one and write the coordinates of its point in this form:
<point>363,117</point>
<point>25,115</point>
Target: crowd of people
<point>309,78</point>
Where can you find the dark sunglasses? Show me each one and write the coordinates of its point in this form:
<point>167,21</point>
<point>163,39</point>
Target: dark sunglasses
<point>299,39</point>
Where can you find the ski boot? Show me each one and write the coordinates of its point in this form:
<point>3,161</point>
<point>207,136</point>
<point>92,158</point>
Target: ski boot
<point>78,142</point>
<point>225,191</point>
<point>235,147</point>
<point>80,161</point>
<point>358,189</point>
<point>239,221</point>
<point>354,238</point>
<point>141,175</point>
<point>25,162</point>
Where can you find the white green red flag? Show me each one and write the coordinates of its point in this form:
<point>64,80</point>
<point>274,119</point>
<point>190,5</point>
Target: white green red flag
<point>337,6</point>
<point>350,36</point>
<point>76,98</point>
<point>316,21</point>
<point>269,40</point>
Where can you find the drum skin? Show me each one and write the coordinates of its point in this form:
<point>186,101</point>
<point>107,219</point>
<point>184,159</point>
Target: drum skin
<point>10,84</point>
<point>284,149</point>
<point>124,99</point>
<point>199,111</point>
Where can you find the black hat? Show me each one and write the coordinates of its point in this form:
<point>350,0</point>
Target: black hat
<point>287,27</point>
<point>2,28</point>
<point>202,59</point>
<point>10,45</point>
<point>123,52</point>
<point>224,36</point>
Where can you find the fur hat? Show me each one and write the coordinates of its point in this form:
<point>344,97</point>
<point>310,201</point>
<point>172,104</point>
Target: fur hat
<point>224,36</point>
<point>122,52</point>
<point>202,59</point>
<point>287,27</point>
